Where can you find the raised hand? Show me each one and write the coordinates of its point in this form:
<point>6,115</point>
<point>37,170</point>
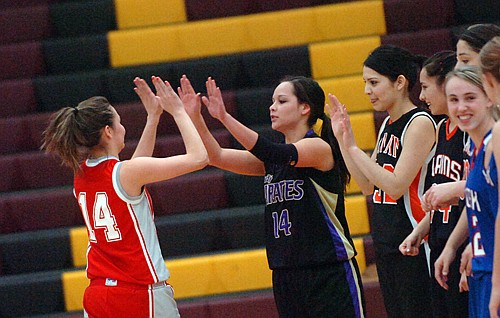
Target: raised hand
<point>169,100</point>
<point>341,123</point>
<point>213,101</point>
<point>190,99</point>
<point>150,101</point>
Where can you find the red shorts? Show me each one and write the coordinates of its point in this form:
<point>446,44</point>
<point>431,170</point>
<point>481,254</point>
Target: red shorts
<point>119,299</point>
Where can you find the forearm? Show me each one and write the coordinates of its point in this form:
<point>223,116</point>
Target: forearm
<point>244,135</point>
<point>382,178</point>
<point>212,146</point>
<point>459,234</point>
<point>364,184</point>
<point>146,144</point>
<point>192,140</point>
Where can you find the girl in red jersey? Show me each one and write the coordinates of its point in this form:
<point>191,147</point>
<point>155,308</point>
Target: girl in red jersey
<point>127,272</point>
<point>394,175</point>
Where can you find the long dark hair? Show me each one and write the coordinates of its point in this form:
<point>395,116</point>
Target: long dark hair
<point>309,92</point>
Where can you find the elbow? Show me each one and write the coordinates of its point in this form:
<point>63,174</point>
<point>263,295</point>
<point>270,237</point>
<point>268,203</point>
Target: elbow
<point>395,194</point>
<point>200,161</point>
<point>367,190</point>
<point>203,161</point>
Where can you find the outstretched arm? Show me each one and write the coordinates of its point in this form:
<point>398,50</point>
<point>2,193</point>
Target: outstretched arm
<point>143,170</point>
<point>309,152</point>
<point>151,103</point>
<point>238,161</point>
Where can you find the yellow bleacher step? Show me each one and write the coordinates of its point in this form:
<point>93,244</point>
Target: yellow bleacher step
<point>139,13</point>
<point>349,90</point>
<point>78,239</point>
<point>363,126</point>
<point>357,215</point>
<point>340,58</point>
<point>246,33</point>
<point>202,276</point>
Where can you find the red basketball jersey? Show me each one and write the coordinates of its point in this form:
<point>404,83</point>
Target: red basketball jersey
<point>123,243</point>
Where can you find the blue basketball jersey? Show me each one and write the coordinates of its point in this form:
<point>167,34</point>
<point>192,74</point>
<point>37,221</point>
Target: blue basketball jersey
<point>481,198</point>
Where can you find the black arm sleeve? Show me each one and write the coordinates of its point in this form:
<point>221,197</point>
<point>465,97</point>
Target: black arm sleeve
<point>276,153</point>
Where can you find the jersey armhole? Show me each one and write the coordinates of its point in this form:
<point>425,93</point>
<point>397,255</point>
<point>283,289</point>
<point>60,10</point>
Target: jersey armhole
<point>119,189</point>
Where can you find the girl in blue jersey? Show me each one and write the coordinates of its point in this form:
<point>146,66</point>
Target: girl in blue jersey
<point>447,168</point>
<point>394,175</point>
<point>490,66</point>
<point>469,105</point>
<point>309,247</point>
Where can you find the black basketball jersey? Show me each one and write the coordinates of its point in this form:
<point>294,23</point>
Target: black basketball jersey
<point>447,165</point>
<point>305,221</point>
<point>393,220</point>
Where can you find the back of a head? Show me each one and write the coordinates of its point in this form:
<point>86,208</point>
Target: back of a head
<point>392,61</point>
<point>74,131</point>
<point>440,64</point>
<point>490,58</point>
<point>477,35</point>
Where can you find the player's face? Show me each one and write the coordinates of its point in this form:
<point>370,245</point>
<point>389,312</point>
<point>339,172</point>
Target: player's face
<point>468,105</point>
<point>285,111</point>
<point>432,94</point>
<point>118,129</point>
<point>466,55</point>
<point>380,89</point>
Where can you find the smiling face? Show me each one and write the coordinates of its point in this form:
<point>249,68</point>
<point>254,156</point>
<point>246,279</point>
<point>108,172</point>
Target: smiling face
<point>285,111</point>
<point>466,55</point>
<point>468,105</point>
<point>432,93</point>
<point>382,92</point>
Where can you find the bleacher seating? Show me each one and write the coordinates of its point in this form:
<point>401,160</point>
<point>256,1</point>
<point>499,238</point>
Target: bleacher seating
<point>210,223</point>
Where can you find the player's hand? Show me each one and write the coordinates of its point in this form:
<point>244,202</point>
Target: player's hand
<point>341,123</point>
<point>463,285</point>
<point>169,100</point>
<point>190,99</point>
<point>442,267</point>
<point>439,196</point>
<point>411,245</point>
<point>213,101</point>
<point>150,101</point>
